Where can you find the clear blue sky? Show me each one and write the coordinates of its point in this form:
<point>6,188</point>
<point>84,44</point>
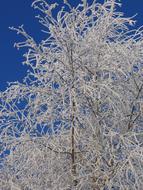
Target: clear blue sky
<point>17,12</point>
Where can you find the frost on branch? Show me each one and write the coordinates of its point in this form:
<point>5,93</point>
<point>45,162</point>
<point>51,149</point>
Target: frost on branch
<point>76,121</point>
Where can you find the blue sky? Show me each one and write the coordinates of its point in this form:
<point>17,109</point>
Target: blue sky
<point>17,12</point>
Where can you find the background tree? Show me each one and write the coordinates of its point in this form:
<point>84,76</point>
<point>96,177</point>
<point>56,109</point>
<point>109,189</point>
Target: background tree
<point>76,121</point>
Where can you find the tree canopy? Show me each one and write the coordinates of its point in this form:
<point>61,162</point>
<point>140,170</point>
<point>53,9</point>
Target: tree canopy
<point>76,120</point>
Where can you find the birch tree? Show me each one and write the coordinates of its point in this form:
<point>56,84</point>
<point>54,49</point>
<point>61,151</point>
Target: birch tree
<point>76,120</point>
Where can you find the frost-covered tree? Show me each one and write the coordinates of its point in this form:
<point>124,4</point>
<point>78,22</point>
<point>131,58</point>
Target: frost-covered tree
<point>76,120</point>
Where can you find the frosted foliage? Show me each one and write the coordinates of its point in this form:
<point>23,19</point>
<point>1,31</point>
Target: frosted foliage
<point>76,120</point>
